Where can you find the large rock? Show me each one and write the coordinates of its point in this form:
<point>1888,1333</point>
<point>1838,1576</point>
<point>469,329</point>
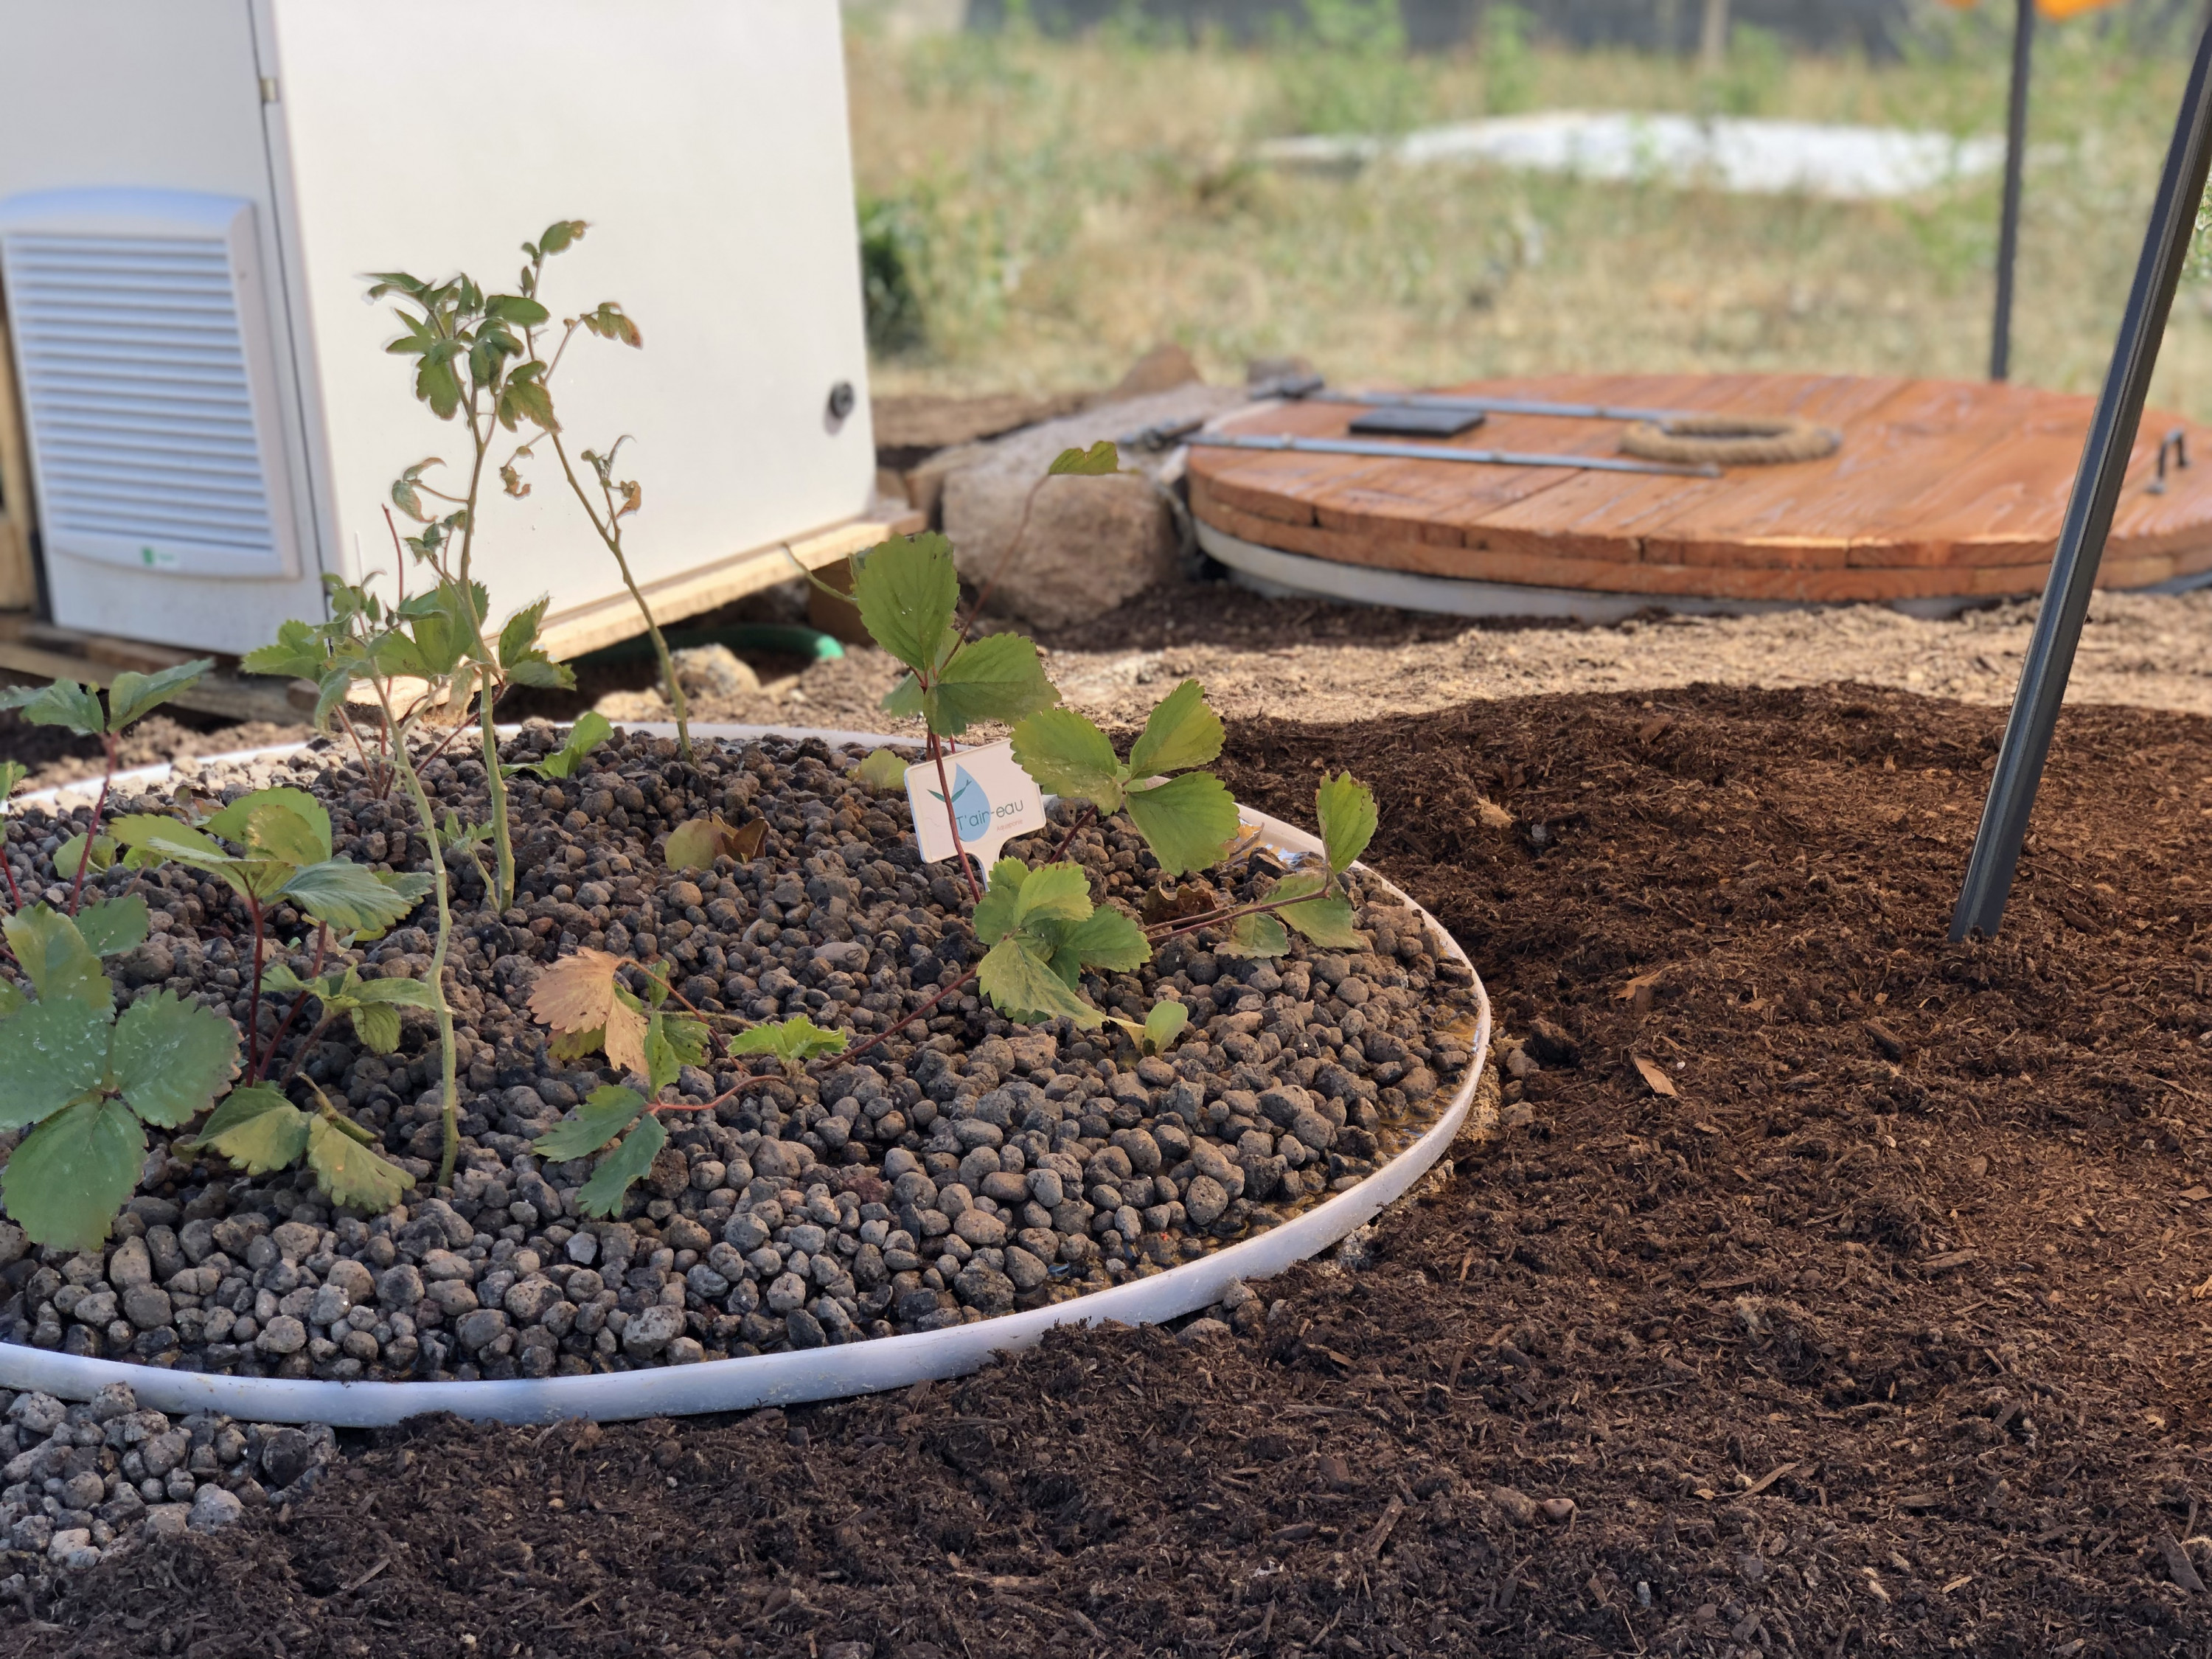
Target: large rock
<point>1092,542</point>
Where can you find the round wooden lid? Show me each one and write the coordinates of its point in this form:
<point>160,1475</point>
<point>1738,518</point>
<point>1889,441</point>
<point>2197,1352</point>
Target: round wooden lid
<point>1940,488</point>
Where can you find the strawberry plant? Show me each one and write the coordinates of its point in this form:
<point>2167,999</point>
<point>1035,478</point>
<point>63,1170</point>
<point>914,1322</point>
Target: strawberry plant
<point>85,1084</point>
<point>591,730</point>
<point>1043,930</point>
<point>258,1130</point>
<point>131,698</point>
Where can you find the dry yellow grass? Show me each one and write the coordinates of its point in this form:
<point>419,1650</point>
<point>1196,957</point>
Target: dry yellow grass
<point>1072,203</point>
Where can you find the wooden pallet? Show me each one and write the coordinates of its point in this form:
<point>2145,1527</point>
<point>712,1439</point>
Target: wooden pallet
<point>1940,489</point>
<point>18,584</point>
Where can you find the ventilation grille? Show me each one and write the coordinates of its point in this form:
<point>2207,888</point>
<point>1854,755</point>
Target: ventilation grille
<point>138,392</point>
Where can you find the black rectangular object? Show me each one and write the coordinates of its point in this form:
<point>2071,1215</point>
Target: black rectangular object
<point>1416,421</point>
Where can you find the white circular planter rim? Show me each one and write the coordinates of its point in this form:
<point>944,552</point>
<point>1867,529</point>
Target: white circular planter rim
<point>801,1375</point>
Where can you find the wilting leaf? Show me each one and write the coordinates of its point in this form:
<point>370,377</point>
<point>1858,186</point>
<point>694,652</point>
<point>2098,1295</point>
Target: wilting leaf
<point>605,1113</point>
<point>1188,821</point>
<point>1346,807</point>
<point>575,993</point>
<point>65,1183</point>
<point>624,1042</point>
<point>1182,731</point>
<point>354,1178</point>
<point>794,1041</point>
<point>171,1057</point>
<point>697,844</point>
<point>568,1047</point>
<point>602,1195</point>
<point>882,770</point>
<point>1068,755</point>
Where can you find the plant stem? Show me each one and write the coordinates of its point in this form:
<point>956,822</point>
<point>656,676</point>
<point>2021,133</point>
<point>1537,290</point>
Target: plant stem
<point>92,832</point>
<point>892,1030</point>
<point>503,894</point>
<point>610,534</point>
<point>307,1046</point>
<point>1005,559</point>
<point>452,1105</point>
<point>959,852</point>
<point>1215,918</point>
<point>253,1008</point>
<point>322,942</point>
<point>8,869</point>
<point>1074,829</point>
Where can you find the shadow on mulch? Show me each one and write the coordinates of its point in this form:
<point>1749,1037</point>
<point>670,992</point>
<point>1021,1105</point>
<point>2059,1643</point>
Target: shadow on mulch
<point>1879,1334</point>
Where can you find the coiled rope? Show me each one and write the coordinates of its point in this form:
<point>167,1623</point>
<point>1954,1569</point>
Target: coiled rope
<point>1731,440</point>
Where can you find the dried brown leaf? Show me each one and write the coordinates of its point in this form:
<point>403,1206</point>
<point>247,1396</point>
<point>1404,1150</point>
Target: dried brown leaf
<point>697,844</point>
<point>625,1042</point>
<point>1653,1073</point>
<point>576,993</point>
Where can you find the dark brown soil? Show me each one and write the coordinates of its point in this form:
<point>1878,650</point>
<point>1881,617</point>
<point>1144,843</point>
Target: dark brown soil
<point>58,756</point>
<point>1879,1334</point>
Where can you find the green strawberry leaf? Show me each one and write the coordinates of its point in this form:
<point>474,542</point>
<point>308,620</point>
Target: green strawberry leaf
<point>132,695</point>
<point>602,1195</point>
<point>882,770</point>
<point>56,959</point>
<point>1188,821</point>
<point>1165,1024</point>
<point>1101,459</point>
<point>113,926</point>
<point>171,1057</point>
<point>351,897</point>
<point>65,1183</point>
<point>591,730</point>
<point>1326,921</point>
<point>907,589</point>
<point>377,1024</point>
<point>256,1129</point>
<point>11,774</point>
<point>1105,938</point>
<point>1068,755</point>
<point>64,703</point>
<point>1053,892</point>
<point>672,1042</point>
<point>1182,732</point>
<point>50,1052</point>
<point>1346,807</point>
<point>398,993</point>
<point>997,678</point>
<point>282,822</point>
<point>1020,982</point>
<point>605,1113</point>
<point>994,916</point>
<point>71,853</point>
<point>793,1041</point>
<point>1256,935</point>
<point>354,1178</point>
<point>906,700</point>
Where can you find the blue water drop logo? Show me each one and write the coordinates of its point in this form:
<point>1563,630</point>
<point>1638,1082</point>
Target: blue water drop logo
<point>971,807</point>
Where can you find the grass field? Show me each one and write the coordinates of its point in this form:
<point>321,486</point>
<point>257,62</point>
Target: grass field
<point>1058,206</point>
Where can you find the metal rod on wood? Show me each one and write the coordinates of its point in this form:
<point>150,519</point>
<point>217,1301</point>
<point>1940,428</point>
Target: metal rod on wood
<point>1389,452</point>
<point>1496,405</point>
<point>2023,46</point>
<point>2089,510</point>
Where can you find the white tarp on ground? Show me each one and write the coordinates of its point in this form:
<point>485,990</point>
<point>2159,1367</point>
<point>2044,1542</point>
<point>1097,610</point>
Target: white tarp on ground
<point>1758,157</point>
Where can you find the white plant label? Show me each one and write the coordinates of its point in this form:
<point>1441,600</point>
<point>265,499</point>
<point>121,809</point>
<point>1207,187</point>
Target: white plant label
<point>993,799</point>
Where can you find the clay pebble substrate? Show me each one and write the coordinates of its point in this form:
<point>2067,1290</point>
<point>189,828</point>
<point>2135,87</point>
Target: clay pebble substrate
<point>957,1171</point>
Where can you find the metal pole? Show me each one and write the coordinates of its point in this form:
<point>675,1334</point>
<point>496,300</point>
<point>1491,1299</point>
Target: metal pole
<point>2023,46</point>
<point>1389,452</point>
<point>2089,513</point>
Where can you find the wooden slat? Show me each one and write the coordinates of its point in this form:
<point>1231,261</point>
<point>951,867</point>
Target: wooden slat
<point>603,622</point>
<point>220,694</point>
<point>18,586</point>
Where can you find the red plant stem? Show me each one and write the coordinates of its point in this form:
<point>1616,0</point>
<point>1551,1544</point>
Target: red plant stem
<point>1215,918</point>
<point>307,1046</point>
<point>322,942</point>
<point>889,1031</point>
<point>253,1010</point>
<point>952,817</point>
<point>1073,830</point>
<point>8,870</point>
<point>84,859</point>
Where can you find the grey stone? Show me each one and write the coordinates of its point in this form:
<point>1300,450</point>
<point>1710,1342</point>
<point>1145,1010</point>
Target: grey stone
<point>527,1300</point>
<point>1024,1268</point>
<point>984,1288</point>
<point>1205,1201</point>
<point>1516,1506</point>
<point>652,1329</point>
<point>1202,1330</point>
<point>479,1326</point>
<point>282,1335</point>
<point>400,1285</point>
<point>113,1401</point>
<point>165,1452</point>
<point>130,1264</point>
<point>286,1455</point>
<point>214,1508</point>
<point>147,1306</point>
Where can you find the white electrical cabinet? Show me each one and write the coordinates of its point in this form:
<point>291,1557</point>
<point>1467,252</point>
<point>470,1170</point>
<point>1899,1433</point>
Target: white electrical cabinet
<point>192,193</point>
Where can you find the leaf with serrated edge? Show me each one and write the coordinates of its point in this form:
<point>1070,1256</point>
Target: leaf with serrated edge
<point>994,916</point>
<point>575,994</point>
<point>997,678</point>
<point>111,927</point>
<point>280,822</point>
<point>1068,755</point>
<point>1165,1024</point>
<point>1105,938</point>
<point>605,1113</point>
<point>1182,731</point>
<point>1189,822</point>
<point>672,1042</point>
<point>71,854</point>
<point>570,1046</point>
<point>1256,935</point>
<point>602,1195</point>
<point>624,1042</point>
<point>71,1174</point>
<point>56,959</point>
<point>377,1024</point>
<point>1022,985</point>
<point>1326,921</point>
<point>11,774</point>
<point>1346,807</point>
<point>171,1057</point>
<point>791,1041</point>
<point>50,1052</point>
<point>64,703</point>
<point>882,770</point>
<point>907,589</point>
<point>257,1129</point>
<point>131,695</point>
<point>353,1176</point>
<point>1053,892</point>
<point>347,895</point>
